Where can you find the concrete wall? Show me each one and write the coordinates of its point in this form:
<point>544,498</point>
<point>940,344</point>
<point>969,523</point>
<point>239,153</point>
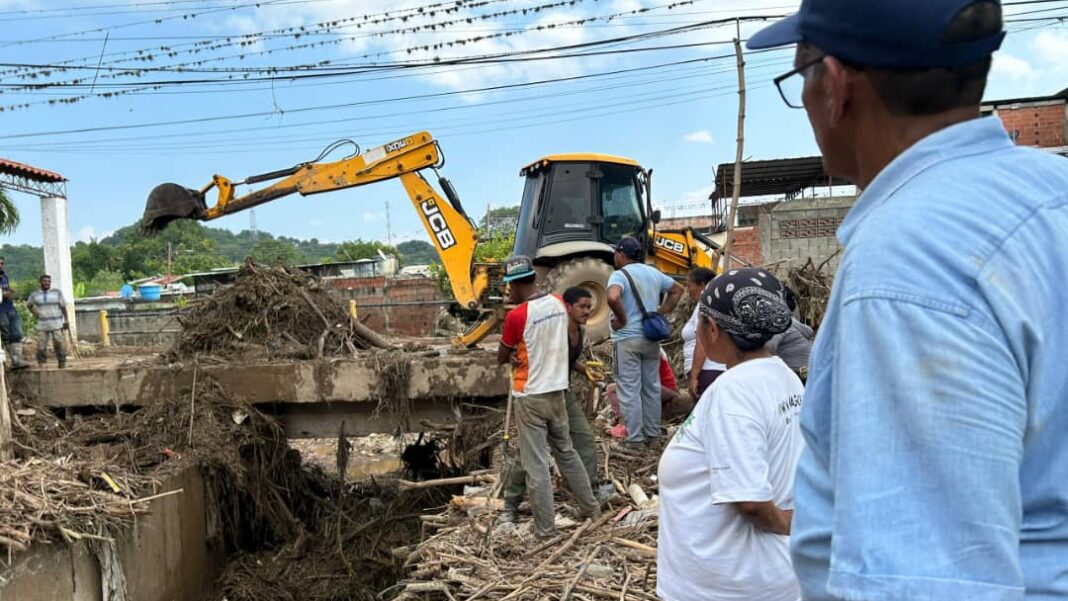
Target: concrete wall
<point>800,229</point>
<point>154,327</point>
<point>165,557</point>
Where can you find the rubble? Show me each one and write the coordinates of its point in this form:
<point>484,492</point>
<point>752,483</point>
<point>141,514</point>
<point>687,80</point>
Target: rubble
<point>270,313</point>
<point>812,283</point>
<point>466,555</point>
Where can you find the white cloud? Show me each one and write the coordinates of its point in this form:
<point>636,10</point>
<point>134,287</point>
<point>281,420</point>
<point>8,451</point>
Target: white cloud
<point>699,137</point>
<point>1014,68</point>
<point>87,234</point>
<point>1051,49</point>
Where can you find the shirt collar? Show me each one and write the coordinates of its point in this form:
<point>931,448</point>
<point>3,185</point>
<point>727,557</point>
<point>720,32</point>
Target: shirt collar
<point>975,136</point>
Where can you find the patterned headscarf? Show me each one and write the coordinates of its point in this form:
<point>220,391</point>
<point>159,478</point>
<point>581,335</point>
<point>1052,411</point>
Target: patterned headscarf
<point>747,303</point>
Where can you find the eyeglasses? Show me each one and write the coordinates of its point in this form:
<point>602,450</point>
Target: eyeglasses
<point>790,87</point>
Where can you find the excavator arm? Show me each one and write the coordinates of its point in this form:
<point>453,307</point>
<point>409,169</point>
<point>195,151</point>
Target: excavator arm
<point>452,232</point>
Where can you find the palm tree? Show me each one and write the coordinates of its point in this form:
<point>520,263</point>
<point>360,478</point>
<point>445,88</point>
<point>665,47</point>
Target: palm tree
<point>9,214</point>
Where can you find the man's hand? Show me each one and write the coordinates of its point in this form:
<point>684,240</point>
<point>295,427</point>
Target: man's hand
<point>693,386</point>
<point>617,323</point>
<point>9,293</point>
<point>66,325</point>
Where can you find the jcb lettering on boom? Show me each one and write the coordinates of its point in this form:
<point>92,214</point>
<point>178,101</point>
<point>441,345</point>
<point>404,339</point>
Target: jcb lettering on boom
<point>437,223</point>
<point>392,146</point>
<point>672,245</point>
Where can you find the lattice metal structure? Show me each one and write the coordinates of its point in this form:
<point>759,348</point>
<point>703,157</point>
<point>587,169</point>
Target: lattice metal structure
<point>31,180</point>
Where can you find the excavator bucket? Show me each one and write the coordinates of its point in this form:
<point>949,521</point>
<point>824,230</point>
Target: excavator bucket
<point>168,202</point>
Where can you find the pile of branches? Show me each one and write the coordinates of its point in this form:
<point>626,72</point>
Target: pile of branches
<point>276,312</point>
<point>42,500</point>
<point>466,555</point>
<point>291,531</point>
<point>812,283</point>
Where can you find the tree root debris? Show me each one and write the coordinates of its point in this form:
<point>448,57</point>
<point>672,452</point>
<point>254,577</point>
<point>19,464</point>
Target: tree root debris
<point>270,313</point>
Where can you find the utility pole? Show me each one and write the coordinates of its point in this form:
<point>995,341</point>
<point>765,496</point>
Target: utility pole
<point>170,252</point>
<point>389,228</point>
<point>732,214</point>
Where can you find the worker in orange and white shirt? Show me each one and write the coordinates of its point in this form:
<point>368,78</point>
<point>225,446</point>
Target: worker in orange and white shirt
<point>535,342</point>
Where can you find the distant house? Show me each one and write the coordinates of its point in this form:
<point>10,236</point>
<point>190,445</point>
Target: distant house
<point>384,265</point>
<point>416,270</point>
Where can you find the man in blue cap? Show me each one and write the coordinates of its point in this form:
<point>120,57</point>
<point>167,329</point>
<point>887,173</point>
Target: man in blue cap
<point>937,400</point>
<point>632,288</point>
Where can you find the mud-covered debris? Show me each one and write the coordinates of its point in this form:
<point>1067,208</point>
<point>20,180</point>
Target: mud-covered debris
<point>274,312</point>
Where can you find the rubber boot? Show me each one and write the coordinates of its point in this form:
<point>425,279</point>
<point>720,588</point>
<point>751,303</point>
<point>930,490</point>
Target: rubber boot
<point>15,350</point>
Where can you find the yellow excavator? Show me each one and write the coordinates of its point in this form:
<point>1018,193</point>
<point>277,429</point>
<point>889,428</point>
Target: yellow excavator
<point>575,207</point>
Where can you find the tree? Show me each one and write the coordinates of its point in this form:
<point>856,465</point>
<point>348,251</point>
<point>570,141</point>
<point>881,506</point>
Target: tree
<point>9,214</point>
<point>274,251</point>
<point>500,221</point>
<point>354,250</point>
<point>418,252</point>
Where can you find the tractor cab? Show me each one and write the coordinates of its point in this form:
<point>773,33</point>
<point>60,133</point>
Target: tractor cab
<point>581,205</point>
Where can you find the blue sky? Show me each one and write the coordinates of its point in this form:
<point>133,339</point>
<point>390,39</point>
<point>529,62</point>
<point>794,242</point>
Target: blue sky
<point>679,120</point>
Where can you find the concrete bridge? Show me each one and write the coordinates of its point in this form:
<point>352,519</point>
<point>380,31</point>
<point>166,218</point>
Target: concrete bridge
<point>311,397</point>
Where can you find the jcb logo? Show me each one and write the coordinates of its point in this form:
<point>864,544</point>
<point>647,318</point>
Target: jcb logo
<point>672,245</point>
<point>396,145</point>
<point>438,225</point>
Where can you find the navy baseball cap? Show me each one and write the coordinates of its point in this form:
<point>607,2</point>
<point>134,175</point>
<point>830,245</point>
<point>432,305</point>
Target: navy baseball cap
<point>518,267</point>
<point>631,248</point>
<point>898,34</point>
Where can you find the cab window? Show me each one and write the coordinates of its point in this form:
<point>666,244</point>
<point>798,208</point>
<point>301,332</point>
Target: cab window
<point>620,203</point>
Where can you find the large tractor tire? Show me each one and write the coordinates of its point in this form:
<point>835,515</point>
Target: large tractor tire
<point>592,274</point>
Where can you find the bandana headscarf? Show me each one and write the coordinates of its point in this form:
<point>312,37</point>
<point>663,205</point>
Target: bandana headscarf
<point>747,303</point>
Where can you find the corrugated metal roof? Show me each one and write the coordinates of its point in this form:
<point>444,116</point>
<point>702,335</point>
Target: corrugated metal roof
<point>29,171</point>
<point>778,176</point>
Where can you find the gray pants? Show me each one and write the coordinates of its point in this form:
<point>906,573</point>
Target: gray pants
<point>56,338</point>
<point>637,371</point>
<point>542,423</point>
<point>581,439</point>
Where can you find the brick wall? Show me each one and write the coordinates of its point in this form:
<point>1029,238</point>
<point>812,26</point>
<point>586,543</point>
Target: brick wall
<point>747,245</point>
<point>1042,126</point>
<point>401,306</point>
<point>797,230</point>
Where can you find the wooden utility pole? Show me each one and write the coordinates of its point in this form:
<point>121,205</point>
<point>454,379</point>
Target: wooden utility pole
<point>732,213</point>
<point>6,438</point>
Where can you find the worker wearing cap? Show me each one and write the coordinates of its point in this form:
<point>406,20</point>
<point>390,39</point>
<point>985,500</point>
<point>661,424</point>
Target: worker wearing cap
<point>637,358</point>
<point>937,401</point>
<point>534,340</point>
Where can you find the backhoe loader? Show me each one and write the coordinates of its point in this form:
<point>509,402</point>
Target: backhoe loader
<point>575,207</point>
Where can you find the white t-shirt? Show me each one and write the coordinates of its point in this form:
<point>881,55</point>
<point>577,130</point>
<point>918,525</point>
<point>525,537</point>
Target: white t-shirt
<point>741,443</point>
<point>537,330</point>
<point>689,343</point>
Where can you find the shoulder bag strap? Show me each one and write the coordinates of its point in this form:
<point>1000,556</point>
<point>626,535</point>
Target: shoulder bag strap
<point>637,294</point>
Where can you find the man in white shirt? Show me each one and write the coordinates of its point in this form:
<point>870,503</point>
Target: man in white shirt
<point>534,340</point>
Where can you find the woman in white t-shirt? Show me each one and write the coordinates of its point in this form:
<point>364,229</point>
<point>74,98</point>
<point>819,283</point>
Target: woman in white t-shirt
<point>700,370</point>
<point>727,476</point>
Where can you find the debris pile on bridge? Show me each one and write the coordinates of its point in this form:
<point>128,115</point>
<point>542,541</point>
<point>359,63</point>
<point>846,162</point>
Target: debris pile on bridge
<point>274,312</point>
<point>465,554</point>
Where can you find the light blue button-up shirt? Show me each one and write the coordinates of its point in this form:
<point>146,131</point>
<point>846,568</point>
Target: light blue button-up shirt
<point>936,411</point>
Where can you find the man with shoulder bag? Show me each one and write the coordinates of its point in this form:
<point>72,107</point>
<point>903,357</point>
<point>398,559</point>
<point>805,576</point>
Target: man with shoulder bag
<point>636,335</point>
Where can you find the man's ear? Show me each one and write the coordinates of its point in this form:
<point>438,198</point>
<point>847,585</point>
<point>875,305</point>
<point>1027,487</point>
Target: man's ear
<point>837,80</point>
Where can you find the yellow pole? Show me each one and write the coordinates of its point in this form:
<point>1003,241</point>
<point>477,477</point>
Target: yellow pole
<point>352,308</point>
<point>105,338</point>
